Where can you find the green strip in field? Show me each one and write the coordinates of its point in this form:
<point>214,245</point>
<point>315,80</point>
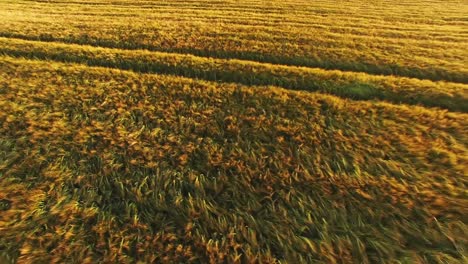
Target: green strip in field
<point>354,85</point>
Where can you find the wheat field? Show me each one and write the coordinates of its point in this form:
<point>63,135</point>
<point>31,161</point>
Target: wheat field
<point>233,131</point>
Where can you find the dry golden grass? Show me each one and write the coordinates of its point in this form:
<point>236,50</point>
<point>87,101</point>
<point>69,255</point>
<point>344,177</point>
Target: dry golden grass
<point>423,39</point>
<point>225,131</point>
<point>362,86</point>
<point>108,165</point>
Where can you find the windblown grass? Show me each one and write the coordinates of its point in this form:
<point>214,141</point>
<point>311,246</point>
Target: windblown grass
<point>111,165</point>
<point>199,131</point>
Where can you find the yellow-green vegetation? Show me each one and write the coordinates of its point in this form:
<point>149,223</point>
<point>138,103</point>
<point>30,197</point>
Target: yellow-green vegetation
<point>227,131</point>
<point>424,39</point>
<point>453,96</point>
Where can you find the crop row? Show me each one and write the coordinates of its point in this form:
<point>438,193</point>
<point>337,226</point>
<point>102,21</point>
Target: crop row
<point>452,96</point>
<point>323,35</point>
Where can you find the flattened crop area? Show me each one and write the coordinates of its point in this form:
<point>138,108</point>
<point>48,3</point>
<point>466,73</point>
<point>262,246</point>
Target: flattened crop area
<point>233,131</point>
